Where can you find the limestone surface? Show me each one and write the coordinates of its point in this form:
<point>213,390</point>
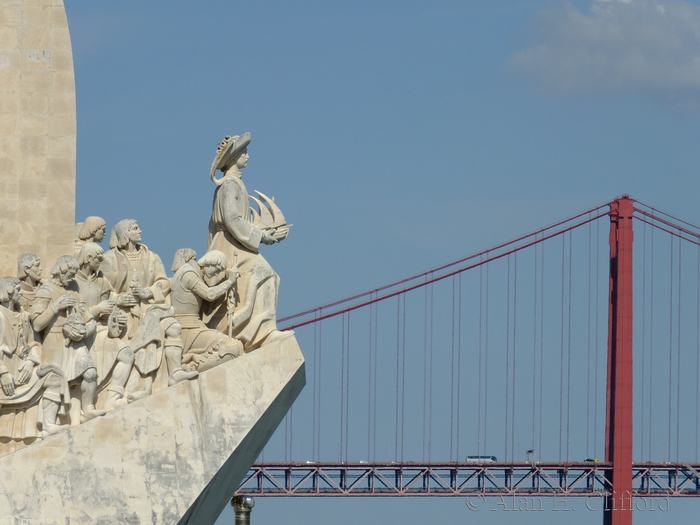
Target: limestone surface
<point>37,132</point>
<point>148,462</point>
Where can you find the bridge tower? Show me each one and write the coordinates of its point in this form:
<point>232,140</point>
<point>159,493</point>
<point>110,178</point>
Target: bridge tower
<point>618,432</point>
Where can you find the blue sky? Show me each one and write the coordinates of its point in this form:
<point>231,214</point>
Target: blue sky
<point>396,136</point>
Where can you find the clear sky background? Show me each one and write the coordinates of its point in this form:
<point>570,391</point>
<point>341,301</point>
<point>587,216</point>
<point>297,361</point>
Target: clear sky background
<point>395,135</point>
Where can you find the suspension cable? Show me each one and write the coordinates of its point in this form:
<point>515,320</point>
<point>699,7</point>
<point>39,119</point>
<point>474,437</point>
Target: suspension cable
<point>668,223</point>
<point>430,372</point>
<point>541,382</point>
<point>425,366</point>
<point>428,281</point>
<point>674,234</point>
<point>644,342</point>
<point>370,395</point>
<point>459,359</point>
<point>315,397</point>
<point>454,263</point>
<point>678,357</point>
<point>515,335</point>
<point>376,353</point>
<point>597,336</point>
<point>568,357</point>
<point>651,342</point>
<point>347,393</point>
<point>534,346</point>
<point>481,353</point>
<point>697,355</point>
<point>670,354</point>
<point>398,369</point>
<point>677,298</point>
<point>452,371</point>
<point>507,382</point>
<point>561,350</point>
<point>320,394</point>
<point>341,447</point>
<point>486,361</point>
<point>403,375</point>
<point>588,343</point>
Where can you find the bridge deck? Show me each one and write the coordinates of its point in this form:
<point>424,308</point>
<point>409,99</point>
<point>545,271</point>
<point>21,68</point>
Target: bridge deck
<point>465,479</point>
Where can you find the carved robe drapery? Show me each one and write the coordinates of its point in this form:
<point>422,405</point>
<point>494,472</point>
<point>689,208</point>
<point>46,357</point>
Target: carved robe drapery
<point>94,289</point>
<point>21,414</point>
<point>145,325</point>
<point>54,347</point>
<point>255,313</point>
<point>27,295</point>
<point>146,270</point>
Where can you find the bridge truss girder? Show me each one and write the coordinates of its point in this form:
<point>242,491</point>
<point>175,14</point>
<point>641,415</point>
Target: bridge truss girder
<point>466,479</point>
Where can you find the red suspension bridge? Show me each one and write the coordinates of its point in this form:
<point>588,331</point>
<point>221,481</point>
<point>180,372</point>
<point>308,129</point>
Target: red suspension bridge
<point>509,372</point>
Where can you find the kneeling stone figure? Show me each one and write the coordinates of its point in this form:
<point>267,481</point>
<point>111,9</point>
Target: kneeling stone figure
<point>203,347</point>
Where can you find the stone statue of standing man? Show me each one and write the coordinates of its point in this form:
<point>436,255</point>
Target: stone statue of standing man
<point>237,230</point>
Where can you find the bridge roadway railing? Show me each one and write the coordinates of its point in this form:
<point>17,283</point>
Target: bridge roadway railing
<point>590,479</point>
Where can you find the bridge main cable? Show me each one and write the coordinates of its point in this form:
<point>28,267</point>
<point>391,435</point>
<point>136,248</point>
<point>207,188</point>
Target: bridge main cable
<point>441,277</point>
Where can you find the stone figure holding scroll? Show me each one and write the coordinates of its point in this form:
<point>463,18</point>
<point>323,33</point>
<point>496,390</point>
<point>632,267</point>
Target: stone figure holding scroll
<point>237,230</point>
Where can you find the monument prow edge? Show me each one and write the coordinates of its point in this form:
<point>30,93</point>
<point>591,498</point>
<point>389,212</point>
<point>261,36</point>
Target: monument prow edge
<point>173,457</point>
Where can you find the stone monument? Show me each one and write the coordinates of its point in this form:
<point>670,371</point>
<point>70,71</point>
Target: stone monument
<point>37,132</point>
<point>126,395</point>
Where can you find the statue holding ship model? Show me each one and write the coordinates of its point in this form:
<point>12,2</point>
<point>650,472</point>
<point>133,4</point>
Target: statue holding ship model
<point>140,329</point>
<point>237,230</point>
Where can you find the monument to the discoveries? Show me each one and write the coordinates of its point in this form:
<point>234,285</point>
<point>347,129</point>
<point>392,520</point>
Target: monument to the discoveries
<point>126,395</point>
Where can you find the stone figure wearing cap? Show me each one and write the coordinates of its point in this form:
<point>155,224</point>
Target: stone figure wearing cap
<point>237,230</point>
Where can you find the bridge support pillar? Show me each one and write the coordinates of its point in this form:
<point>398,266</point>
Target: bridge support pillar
<point>618,432</point>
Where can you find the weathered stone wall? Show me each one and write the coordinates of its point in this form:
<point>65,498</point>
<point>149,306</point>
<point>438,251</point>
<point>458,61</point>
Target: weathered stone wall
<point>149,461</point>
<point>37,132</point>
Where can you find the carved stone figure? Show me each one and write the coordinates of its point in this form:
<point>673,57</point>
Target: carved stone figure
<point>54,303</point>
<point>32,394</point>
<point>113,357</point>
<point>76,331</point>
<point>235,230</point>
<point>203,347</point>
<point>29,272</point>
<point>183,256</point>
<point>93,229</point>
<point>138,276</point>
<point>52,306</point>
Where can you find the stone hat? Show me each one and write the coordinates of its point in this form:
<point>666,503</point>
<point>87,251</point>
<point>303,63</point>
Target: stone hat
<point>226,153</point>
<point>229,152</point>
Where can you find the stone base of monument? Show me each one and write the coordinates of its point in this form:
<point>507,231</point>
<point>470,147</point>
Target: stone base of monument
<point>174,457</point>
